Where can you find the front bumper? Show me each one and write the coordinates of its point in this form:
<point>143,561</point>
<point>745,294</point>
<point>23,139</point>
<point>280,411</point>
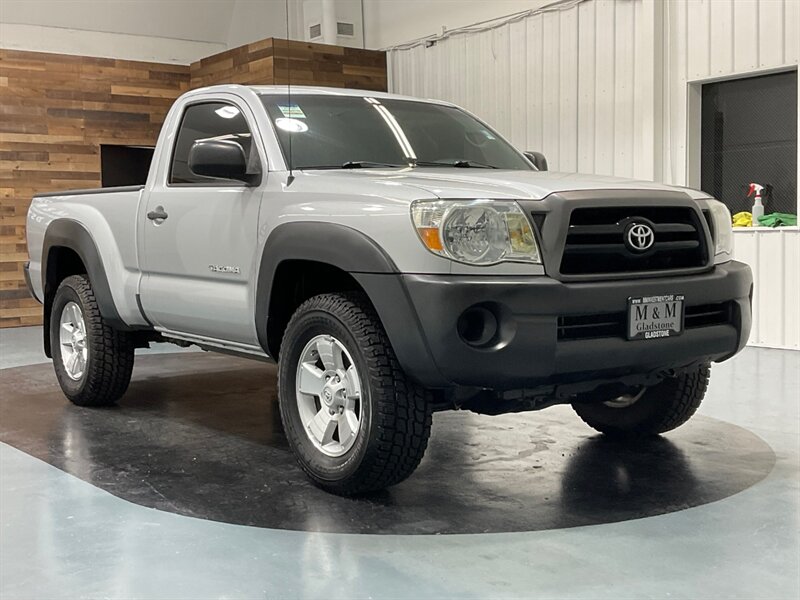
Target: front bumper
<point>421,312</point>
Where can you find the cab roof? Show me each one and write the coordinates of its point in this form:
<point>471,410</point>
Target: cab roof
<point>269,90</point>
<point>328,91</point>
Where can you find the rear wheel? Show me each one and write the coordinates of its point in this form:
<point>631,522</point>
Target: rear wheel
<point>353,419</point>
<point>93,361</point>
<point>648,411</point>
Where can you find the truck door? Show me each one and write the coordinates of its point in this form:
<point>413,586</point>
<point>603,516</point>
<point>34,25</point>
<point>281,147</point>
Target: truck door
<point>199,235</point>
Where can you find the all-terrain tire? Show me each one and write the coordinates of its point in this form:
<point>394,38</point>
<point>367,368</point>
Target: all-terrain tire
<point>109,363</point>
<point>661,408</point>
<point>396,414</point>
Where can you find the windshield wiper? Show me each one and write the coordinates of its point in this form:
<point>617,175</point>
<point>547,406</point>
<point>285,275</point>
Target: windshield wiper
<point>366,164</point>
<point>354,164</point>
<point>461,164</point>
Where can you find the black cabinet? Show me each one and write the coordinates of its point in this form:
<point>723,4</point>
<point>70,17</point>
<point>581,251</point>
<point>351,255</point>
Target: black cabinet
<point>750,135</point>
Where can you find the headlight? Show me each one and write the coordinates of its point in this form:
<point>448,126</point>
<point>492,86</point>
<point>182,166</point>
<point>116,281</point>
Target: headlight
<point>723,230</point>
<point>476,232</point>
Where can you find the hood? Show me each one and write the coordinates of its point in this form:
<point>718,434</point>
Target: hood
<point>495,184</point>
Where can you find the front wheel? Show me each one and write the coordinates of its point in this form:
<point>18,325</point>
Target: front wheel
<point>352,418</point>
<point>648,411</point>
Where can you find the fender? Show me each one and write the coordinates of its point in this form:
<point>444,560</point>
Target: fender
<point>71,234</point>
<point>337,245</point>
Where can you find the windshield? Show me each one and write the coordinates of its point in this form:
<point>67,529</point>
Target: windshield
<point>334,132</point>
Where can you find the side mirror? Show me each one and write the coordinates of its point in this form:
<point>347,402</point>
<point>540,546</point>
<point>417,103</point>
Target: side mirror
<point>220,159</point>
<point>537,160</point>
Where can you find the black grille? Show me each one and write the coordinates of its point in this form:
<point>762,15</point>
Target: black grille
<point>596,245</point>
<point>612,325</point>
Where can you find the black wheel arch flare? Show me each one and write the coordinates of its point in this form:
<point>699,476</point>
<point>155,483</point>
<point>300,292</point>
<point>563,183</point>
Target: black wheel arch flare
<point>66,233</point>
<point>329,243</point>
<point>350,251</point>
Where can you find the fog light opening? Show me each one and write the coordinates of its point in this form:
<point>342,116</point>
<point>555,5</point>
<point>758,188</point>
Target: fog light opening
<point>478,326</point>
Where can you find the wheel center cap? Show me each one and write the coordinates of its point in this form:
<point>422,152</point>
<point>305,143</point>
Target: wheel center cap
<point>327,396</point>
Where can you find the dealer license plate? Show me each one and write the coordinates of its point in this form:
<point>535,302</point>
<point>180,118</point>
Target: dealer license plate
<point>651,317</point>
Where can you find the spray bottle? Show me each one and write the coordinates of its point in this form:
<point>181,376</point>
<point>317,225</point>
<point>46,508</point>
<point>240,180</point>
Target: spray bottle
<point>758,206</point>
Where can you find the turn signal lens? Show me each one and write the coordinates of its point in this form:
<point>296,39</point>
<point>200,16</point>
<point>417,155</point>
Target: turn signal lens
<point>723,230</point>
<point>477,232</point>
<point>430,237</point>
<point>520,235</point>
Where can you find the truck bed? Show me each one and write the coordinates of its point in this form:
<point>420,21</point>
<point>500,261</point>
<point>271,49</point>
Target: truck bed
<point>88,191</point>
<point>107,216</point>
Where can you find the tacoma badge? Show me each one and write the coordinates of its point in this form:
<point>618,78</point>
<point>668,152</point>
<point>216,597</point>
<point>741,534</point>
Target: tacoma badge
<point>224,269</point>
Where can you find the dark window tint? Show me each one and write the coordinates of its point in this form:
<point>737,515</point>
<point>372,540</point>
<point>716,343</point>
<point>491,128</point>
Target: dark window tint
<point>329,131</point>
<point>750,135</point>
<point>210,120</point>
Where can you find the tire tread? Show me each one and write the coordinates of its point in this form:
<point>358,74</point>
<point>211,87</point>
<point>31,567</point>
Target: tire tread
<point>669,405</point>
<point>111,358</point>
<point>401,407</point>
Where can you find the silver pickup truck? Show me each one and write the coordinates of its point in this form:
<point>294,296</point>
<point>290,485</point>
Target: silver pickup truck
<point>396,257</point>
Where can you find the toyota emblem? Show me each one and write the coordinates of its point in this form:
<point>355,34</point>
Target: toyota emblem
<point>639,237</point>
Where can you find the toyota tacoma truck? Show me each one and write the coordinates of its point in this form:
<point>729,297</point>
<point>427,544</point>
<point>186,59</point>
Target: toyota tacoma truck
<point>395,257</point>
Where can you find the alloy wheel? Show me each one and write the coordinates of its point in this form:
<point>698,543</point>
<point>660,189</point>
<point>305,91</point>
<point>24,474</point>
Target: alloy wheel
<point>73,340</point>
<point>328,392</point>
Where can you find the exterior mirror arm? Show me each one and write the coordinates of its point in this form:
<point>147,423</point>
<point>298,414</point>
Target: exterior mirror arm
<point>537,159</point>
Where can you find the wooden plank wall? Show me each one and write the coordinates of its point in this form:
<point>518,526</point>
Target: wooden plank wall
<point>330,66</point>
<point>56,110</point>
<point>268,62</point>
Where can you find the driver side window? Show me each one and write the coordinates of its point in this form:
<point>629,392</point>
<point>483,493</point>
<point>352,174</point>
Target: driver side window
<point>208,121</point>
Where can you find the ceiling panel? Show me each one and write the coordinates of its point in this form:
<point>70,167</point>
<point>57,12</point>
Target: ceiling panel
<point>200,20</point>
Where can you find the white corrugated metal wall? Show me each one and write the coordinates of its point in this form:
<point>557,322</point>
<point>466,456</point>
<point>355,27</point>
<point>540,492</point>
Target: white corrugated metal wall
<point>605,86</point>
<point>716,39</point>
<point>713,39</point>
<point>562,82</point>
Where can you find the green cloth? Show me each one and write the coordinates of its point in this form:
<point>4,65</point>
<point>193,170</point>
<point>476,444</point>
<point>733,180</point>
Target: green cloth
<point>777,220</point>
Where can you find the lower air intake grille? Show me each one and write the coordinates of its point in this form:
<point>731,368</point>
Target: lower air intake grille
<point>612,325</point>
<point>584,327</point>
<point>707,315</point>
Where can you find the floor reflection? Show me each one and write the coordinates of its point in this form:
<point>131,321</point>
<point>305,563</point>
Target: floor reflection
<point>200,435</point>
<point>614,479</point>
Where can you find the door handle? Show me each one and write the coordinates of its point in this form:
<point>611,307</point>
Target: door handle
<point>159,214</point>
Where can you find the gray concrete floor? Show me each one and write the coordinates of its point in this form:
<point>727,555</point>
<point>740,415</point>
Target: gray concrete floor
<point>61,537</point>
